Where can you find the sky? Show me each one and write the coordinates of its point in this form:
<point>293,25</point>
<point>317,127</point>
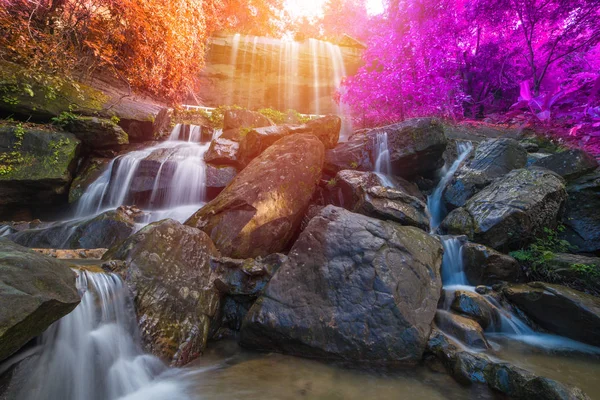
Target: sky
<point>313,8</point>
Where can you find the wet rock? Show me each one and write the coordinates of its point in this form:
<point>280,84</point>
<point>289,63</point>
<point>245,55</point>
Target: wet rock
<point>241,118</point>
<point>77,254</point>
<point>38,165</point>
<point>223,152</point>
<point>97,133</point>
<point>161,127</point>
<point>477,131</point>
<point>483,289</point>
<point>492,159</point>
<point>466,330</point>
<point>167,266</point>
<point>475,306</point>
<point>486,266</point>
<point>35,291</point>
<point>102,231</point>
<point>512,210</point>
<point>533,157</point>
<point>255,141</point>
<point>383,276</point>
<point>217,178</point>
<point>573,314</point>
<point>261,209</point>
<point>570,164</point>
<point>354,154</point>
<point>582,214</point>
<point>353,184</point>
<point>327,129</point>
<point>89,172</point>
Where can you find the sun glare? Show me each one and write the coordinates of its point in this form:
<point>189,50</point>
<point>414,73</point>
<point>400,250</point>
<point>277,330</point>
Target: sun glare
<point>314,8</point>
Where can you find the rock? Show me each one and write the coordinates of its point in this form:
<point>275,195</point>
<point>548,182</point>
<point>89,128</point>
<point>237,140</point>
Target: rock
<point>217,178</point>
<point>89,172</point>
<point>477,131</point>
<point>223,152</point>
<point>493,158</point>
<point>575,270</point>
<point>327,129</point>
<point>259,212</point>
<point>369,296</point>
<point>486,266</point>
<point>474,306</point>
<point>574,314</point>
<point>533,157</point>
<point>512,210</point>
<point>102,231</point>
<point>97,133</point>
<point>416,147</point>
<point>161,127</point>
<point>570,164</point>
<point>464,329</point>
<point>77,254</point>
<point>168,270</point>
<point>35,291</point>
<point>582,214</point>
<point>257,140</point>
<point>354,184</point>
<point>36,166</point>
<point>529,145</point>
<point>242,118</point>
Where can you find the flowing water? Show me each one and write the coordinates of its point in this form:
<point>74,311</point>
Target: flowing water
<point>434,201</point>
<point>383,164</point>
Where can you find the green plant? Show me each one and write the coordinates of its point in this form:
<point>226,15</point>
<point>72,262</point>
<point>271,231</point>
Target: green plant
<point>276,116</point>
<point>332,182</point>
<point>115,120</point>
<point>586,269</point>
<point>353,165</point>
<point>64,118</point>
<point>543,248</point>
<point>56,147</point>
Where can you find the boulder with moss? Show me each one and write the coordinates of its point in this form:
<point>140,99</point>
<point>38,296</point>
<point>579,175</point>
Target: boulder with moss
<point>97,133</point>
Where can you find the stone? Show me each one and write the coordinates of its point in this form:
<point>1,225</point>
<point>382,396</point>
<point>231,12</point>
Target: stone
<point>101,231</point>
<point>38,168</point>
<point>354,154</point>
<point>512,210</point>
<point>573,314</point>
<point>259,212</point>
<point>35,291</point>
<point>475,306</point>
<point>217,178</point>
<point>582,214</point>
<point>354,288</point>
<point>257,140</point>
<point>88,173</point>
<point>533,157</point>
<point>97,133</point>
<point>575,270</point>
<point>570,164</point>
<point>167,267</point>
<point>223,152</point>
<point>75,254</point>
<point>465,329</point>
<point>327,129</point>
<point>486,266</point>
<point>161,127</point>
<point>242,118</point>
<point>493,158</point>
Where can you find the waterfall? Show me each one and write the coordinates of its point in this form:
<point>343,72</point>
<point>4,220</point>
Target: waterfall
<point>434,201</point>
<point>383,164</point>
<point>453,273</point>
<point>94,353</point>
<point>170,177</point>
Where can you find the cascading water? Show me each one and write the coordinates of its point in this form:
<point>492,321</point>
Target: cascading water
<point>170,178</point>
<point>383,164</point>
<point>94,352</point>
<point>434,201</point>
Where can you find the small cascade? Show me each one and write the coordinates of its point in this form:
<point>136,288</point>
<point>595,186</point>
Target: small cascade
<point>168,179</point>
<point>453,273</point>
<point>94,353</point>
<point>434,201</point>
<point>383,164</point>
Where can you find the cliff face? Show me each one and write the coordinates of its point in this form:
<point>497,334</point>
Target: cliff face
<point>258,72</point>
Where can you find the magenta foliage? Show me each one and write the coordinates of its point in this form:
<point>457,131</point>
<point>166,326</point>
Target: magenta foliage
<point>469,58</point>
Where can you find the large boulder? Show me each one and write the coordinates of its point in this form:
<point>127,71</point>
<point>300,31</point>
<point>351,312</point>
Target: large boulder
<point>255,141</point>
<point>582,214</point>
<point>259,212</point>
<point>416,147</point>
<point>35,291</point>
<point>97,133</point>
<point>570,164</point>
<point>102,231</point>
<point>223,152</point>
<point>512,210</point>
<point>36,166</point>
<point>242,118</point>
<point>217,178</point>
<point>88,173</point>
<point>561,310</point>
<point>354,288</point>
<point>327,129</point>
<point>167,266</point>
<point>493,158</point>
<point>486,266</point>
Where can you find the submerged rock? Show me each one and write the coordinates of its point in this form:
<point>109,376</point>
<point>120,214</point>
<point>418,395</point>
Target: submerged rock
<point>512,210</point>
<point>582,214</point>
<point>102,231</point>
<point>35,291</point>
<point>37,165</point>
<point>486,266</point>
<point>354,288</point>
<point>492,159</point>
<point>561,310</point>
<point>570,164</point>
<point>167,266</point>
<point>260,210</point>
